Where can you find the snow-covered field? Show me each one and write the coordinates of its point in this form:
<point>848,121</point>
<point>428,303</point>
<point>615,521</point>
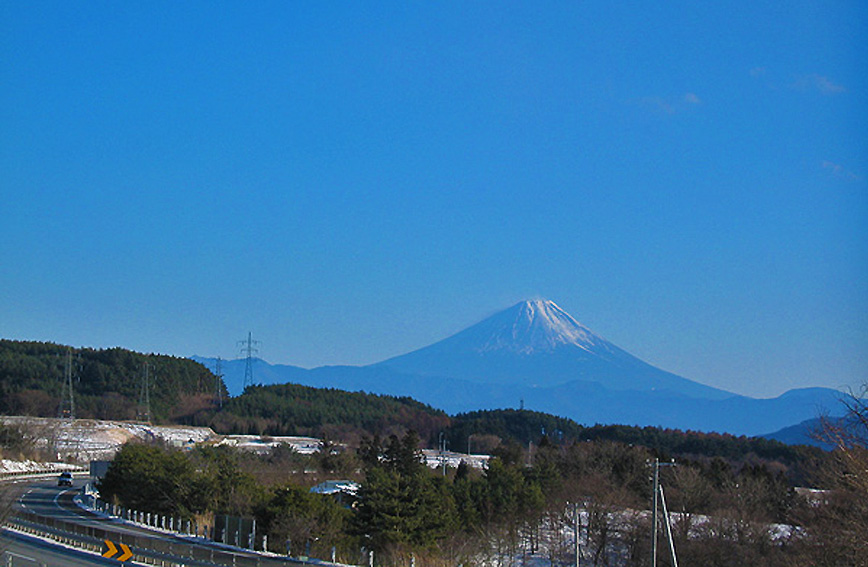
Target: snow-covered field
<point>84,440</point>
<point>263,445</point>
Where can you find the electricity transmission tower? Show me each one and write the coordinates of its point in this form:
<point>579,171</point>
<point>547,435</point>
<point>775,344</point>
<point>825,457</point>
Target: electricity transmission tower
<point>67,399</point>
<point>218,383</point>
<point>248,349</point>
<point>143,413</point>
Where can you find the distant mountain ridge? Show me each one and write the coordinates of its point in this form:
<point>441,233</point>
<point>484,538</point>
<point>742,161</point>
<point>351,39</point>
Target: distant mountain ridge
<point>536,355</point>
<point>536,343</point>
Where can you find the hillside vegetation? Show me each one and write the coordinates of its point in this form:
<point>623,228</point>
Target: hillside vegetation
<point>728,489</point>
<point>107,386</point>
<point>291,409</point>
<point>107,383</point>
<point>475,429</point>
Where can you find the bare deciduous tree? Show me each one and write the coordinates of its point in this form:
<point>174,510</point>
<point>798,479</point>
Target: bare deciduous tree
<point>841,521</point>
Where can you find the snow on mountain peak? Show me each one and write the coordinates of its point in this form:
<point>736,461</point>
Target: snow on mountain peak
<point>538,325</point>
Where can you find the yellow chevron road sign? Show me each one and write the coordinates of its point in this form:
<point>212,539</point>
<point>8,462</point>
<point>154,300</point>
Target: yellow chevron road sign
<point>126,552</point>
<point>112,549</point>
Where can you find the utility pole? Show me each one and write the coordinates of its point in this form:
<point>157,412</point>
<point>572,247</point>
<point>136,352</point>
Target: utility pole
<point>657,492</point>
<point>248,350</point>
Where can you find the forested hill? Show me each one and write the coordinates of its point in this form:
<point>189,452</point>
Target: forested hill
<point>107,386</point>
<point>107,383</point>
<point>478,430</point>
<point>291,409</point>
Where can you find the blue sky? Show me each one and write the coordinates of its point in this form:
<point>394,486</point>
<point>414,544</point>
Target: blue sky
<point>350,182</point>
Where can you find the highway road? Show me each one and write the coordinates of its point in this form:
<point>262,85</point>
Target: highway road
<point>25,551</point>
<point>44,498</point>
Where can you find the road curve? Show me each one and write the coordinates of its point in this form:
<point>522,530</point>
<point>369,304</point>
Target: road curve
<point>43,498</point>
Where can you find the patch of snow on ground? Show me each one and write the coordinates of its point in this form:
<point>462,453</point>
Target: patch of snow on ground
<point>90,439</point>
<point>85,440</point>
<point>8,466</point>
<point>434,459</point>
<point>264,445</point>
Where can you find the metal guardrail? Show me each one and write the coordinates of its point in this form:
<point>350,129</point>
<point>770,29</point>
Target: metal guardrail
<point>148,550</point>
<point>15,475</point>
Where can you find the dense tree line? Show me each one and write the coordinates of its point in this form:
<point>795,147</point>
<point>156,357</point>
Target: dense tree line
<point>524,426</point>
<point>292,409</point>
<point>199,484</point>
<point>521,503</point>
<point>729,492</point>
<point>481,428</point>
<point>107,382</point>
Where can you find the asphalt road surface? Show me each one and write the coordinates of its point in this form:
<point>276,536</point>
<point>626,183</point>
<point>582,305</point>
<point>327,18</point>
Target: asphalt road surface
<point>45,498</point>
<point>25,551</point>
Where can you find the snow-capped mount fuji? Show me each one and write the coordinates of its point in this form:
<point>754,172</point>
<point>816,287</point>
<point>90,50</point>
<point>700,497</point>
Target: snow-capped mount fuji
<point>536,343</point>
<point>536,354</point>
<point>531,327</point>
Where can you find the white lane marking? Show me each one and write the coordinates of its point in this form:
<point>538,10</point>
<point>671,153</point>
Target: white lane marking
<point>21,500</point>
<point>56,498</point>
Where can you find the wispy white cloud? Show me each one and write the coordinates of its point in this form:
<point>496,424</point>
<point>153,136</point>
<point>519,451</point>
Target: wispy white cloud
<point>670,105</point>
<point>691,98</point>
<point>823,84</point>
<point>808,82</point>
<point>839,170</point>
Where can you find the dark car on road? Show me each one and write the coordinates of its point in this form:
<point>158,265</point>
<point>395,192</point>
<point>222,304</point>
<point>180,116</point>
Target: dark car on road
<point>65,479</point>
